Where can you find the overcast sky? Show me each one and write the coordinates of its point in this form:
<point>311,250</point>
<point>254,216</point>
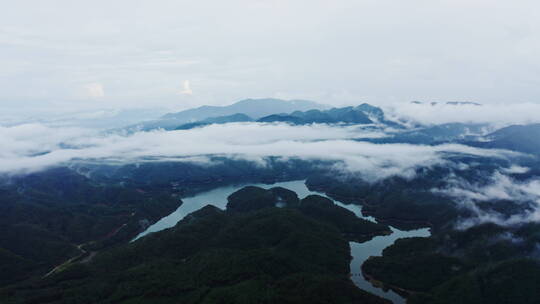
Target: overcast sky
<point>82,55</point>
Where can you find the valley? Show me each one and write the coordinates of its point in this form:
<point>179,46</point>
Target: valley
<point>343,205</point>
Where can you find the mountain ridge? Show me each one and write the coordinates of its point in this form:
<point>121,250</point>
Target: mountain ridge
<point>254,108</point>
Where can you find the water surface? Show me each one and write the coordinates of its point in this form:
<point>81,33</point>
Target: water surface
<point>359,251</point>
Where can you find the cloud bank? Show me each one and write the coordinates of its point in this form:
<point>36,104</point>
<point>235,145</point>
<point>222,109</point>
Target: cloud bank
<point>29,148</point>
<point>498,114</point>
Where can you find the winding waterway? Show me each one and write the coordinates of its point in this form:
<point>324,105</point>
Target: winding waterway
<point>359,251</point>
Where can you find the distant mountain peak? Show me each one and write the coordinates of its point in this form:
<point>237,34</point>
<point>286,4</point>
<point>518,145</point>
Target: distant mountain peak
<point>251,108</point>
<point>255,108</point>
<point>362,114</point>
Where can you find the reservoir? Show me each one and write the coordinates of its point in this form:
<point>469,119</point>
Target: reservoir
<point>359,251</point>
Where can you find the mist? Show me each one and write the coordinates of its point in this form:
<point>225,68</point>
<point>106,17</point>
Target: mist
<point>498,187</point>
<point>498,114</point>
<point>29,148</point>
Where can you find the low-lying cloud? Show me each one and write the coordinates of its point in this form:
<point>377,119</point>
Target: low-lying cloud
<point>500,187</point>
<point>29,148</point>
<point>498,114</point>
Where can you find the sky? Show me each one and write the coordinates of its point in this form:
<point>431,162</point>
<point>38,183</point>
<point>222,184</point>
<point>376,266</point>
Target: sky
<point>66,56</point>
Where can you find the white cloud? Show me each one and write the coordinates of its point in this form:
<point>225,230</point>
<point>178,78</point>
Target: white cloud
<point>26,151</point>
<point>499,114</point>
<point>94,90</point>
<point>500,187</point>
<point>186,89</point>
<point>515,169</point>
